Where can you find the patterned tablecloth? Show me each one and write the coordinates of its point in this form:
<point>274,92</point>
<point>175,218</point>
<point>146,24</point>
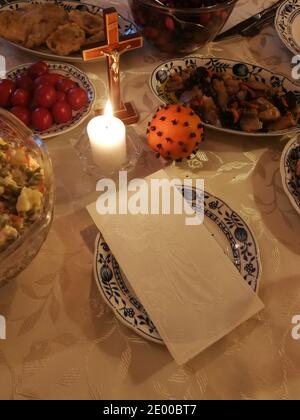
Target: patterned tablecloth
<point>64,342</point>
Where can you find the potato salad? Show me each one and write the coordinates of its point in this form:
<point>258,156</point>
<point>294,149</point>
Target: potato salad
<point>21,191</point>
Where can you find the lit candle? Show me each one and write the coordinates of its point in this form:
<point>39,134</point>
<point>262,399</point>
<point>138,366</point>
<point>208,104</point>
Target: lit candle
<point>107,135</point>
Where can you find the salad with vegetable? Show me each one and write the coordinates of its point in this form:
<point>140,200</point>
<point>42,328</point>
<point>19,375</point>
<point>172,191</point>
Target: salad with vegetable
<point>22,191</point>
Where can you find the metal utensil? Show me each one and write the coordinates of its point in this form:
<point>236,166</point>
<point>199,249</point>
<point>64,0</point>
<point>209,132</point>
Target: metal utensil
<point>252,25</point>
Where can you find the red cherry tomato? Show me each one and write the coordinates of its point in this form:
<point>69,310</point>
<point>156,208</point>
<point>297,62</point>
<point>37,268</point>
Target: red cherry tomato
<point>45,96</point>
<point>77,98</point>
<point>24,81</point>
<point>20,97</point>
<point>22,113</point>
<point>62,112</point>
<point>33,105</point>
<point>50,78</point>
<point>37,69</point>
<point>7,87</point>
<point>60,96</point>
<point>41,119</point>
<point>42,80</point>
<point>64,85</point>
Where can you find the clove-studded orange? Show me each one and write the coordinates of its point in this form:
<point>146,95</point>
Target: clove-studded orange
<point>175,132</point>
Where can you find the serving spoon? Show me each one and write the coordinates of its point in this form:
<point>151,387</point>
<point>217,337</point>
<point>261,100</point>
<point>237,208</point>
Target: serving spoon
<point>183,23</point>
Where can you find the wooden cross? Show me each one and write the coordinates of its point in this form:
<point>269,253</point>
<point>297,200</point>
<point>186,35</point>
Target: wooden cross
<point>113,48</point>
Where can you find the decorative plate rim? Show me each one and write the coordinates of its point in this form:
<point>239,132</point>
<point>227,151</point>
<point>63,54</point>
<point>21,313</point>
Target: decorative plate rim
<point>84,115</point>
<point>285,176</point>
<point>294,49</point>
<point>228,60</point>
<point>156,337</point>
<point>49,55</point>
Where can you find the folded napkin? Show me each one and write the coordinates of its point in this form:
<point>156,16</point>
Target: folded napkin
<point>189,287</point>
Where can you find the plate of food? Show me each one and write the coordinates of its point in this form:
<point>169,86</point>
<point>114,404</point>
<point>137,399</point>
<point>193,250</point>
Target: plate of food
<point>50,98</point>
<point>26,195</point>
<point>231,96</point>
<point>290,172</point>
<point>229,230</point>
<point>287,24</point>
<point>55,30</point>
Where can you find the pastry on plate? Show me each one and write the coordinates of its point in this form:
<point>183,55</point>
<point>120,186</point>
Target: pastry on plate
<point>93,39</point>
<point>66,39</point>
<point>91,24</point>
<point>10,27</point>
<point>41,21</point>
<point>64,32</point>
<point>31,26</point>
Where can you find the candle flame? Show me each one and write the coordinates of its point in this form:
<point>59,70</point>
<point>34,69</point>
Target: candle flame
<point>108,109</point>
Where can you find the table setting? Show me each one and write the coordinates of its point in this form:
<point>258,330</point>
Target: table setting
<point>101,102</point>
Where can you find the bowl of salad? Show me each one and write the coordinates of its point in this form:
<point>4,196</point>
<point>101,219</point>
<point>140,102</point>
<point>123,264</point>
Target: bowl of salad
<point>26,195</point>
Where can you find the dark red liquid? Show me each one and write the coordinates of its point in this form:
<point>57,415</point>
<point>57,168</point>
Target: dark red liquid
<point>180,31</point>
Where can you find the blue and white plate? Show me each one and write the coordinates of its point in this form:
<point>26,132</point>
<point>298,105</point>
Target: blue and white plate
<point>291,183</point>
<point>236,69</point>
<point>287,24</point>
<point>126,26</point>
<point>229,230</point>
<point>73,73</point>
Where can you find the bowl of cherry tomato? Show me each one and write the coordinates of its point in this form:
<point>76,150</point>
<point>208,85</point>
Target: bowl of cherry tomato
<point>50,98</point>
<point>181,26</point>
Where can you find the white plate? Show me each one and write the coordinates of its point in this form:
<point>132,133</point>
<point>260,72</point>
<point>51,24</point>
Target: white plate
<point>239,70</point>
<point>287,24</point>
<point>291,183</point>
<point>126,26</point>
<point>73,73</point>
<point>229,230</point>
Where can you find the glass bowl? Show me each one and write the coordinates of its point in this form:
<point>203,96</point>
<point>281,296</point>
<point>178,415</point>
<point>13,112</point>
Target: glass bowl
<point>181,30</point>
<point>20,253</point>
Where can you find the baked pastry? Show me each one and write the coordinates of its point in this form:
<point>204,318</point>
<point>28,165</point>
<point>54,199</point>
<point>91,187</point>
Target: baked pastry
<point>11,27</point>
<point>93,39</point>
<point>41,21</point>
<point>91,24</point>
<point>35,25</point>
<point>66,39</point>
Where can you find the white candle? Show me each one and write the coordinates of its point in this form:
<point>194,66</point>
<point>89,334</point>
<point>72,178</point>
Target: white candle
<point>107,135</point>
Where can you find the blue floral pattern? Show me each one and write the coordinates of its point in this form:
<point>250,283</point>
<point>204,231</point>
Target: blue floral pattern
<point>116,292</point>
<point>284,22</point>
<point>291,182</point>
<point>242,71</point>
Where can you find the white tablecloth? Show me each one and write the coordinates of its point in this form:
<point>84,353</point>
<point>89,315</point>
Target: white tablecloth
<point>64,342</point>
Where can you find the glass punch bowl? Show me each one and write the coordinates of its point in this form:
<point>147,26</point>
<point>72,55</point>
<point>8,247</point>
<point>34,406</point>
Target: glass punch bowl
<point>20,253</point>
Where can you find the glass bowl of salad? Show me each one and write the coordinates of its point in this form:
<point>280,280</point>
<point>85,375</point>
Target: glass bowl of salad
<point>26,196</point>
<point>181,26</point>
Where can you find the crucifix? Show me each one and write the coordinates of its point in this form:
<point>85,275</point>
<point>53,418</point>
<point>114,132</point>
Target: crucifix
<point>113,48</point>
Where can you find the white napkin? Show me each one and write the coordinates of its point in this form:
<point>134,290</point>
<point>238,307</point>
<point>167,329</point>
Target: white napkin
<point>189,287</point>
